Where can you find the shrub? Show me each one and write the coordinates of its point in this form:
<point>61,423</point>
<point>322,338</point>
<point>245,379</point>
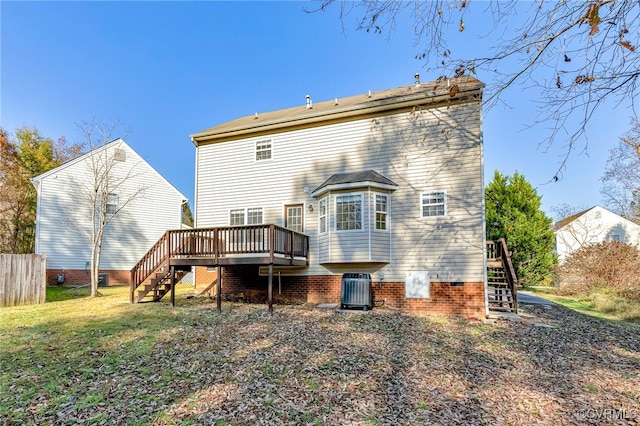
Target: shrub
<point>608,265</point>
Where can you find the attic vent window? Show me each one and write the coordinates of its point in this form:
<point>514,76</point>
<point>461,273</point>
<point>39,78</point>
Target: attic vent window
<point>263,150</point>
<point>119,154</point>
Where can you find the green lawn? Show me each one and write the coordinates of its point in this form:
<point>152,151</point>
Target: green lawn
<point>81,360</point>
<point>601,304</point>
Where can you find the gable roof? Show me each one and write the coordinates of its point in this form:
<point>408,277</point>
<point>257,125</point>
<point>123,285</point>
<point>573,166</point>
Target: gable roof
<point>355,179</point>
<point>564,222</point>
<point>459,89</point>
<point>116,142</point>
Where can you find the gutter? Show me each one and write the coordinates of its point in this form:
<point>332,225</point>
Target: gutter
<point>361,109</point>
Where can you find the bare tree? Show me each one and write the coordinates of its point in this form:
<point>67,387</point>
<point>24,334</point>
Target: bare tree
<point>575,55</point>
<point>621,179</point>
<point>106,192</point>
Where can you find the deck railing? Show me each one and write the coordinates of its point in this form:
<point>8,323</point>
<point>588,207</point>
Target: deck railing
<point>215,243</point>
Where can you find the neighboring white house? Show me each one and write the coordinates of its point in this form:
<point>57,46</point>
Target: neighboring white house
<point>388,183</point>
<point>592,226</point>
<point>148,205</point>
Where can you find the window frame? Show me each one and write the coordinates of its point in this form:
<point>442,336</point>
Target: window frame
<point>385,212</point>
<point>259,150</point>
<point>431,195</point>
<point>250,212</point>
<point>110,207</point>
<point>236,212</point>
<point>323,203</point>
<point>246,216</point>
<point>360,197</point>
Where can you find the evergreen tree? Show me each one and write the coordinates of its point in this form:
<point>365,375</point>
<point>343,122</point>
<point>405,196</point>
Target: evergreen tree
<point>513,212</point>
<point>187,217</point>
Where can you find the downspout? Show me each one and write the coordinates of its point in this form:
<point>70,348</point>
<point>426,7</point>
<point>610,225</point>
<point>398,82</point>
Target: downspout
<point>37,185</point>
<point>369,224</point>
<point>484,221</point>
<point>194,213</point>
<point>195,193</point>
<point>389,227</point>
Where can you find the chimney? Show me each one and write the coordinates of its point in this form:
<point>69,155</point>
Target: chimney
<point>417,77</point>
<point>309,103</point>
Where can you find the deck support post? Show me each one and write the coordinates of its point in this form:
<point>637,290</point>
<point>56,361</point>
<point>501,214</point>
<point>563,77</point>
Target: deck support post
<point>270,290</point>
<point>132,287</point>
<point>219,289</point>
<point>173,286</point>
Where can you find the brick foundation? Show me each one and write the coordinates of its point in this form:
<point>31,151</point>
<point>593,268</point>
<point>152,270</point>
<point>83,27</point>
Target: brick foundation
<point>466,300</point>
<point>82,276</point>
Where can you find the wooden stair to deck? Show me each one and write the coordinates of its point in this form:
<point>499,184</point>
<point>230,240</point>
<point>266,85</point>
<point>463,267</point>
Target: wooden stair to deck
<point>158,284</point>
<point>502,281</point>
<point>500,295</point>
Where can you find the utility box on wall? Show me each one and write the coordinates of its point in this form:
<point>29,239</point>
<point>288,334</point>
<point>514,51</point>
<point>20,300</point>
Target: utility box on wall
<point>417,284</point>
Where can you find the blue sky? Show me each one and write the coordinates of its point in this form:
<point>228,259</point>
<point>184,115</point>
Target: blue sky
<point>169,69</point>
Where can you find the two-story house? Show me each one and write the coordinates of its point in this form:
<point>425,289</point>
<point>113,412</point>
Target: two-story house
<point>388,183</point>
<point>141,205</point>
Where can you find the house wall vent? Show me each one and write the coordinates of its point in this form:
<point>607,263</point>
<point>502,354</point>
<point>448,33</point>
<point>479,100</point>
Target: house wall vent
<point>357,291</point>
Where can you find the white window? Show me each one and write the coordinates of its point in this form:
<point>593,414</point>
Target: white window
<point>251,216</point>
<point>112,203</point>
<point>349,212</point>
<point>293,217</point>
<point>236,217</point>
<point>382,212</point>
<point>263,150</point>
<point>434,204</point>
<point>322,215</point>
<point>254,216</point>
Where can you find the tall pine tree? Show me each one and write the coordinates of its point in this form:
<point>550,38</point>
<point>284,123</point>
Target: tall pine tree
<point>513,212</point>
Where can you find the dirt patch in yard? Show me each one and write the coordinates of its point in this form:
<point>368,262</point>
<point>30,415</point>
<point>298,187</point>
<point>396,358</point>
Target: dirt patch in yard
<point>304,366</point>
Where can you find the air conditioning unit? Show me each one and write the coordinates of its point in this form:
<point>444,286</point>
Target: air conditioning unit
<point>103,280</point>
<point>357,291</point>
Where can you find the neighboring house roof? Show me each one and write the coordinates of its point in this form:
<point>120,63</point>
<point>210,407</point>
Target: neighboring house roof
<point>564,222</point>
<point>117,142</point>
<point>353,179</point>
<point>443,90</point>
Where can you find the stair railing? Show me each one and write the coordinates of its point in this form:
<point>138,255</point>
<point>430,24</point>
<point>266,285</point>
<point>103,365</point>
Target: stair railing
<point>214,243</point>
<point>503,253</point>
<point>157,256</point>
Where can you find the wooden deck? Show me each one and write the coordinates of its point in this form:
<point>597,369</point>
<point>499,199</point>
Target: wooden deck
<point>179,250</point>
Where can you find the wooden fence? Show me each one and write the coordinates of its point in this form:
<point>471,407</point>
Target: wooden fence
<point>23,279</point>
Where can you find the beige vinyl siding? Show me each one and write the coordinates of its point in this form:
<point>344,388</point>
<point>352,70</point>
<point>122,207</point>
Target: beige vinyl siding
<point>64,215</point>
<point>350,245</point>
<point>380,247</point>
<point>429,150</point>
